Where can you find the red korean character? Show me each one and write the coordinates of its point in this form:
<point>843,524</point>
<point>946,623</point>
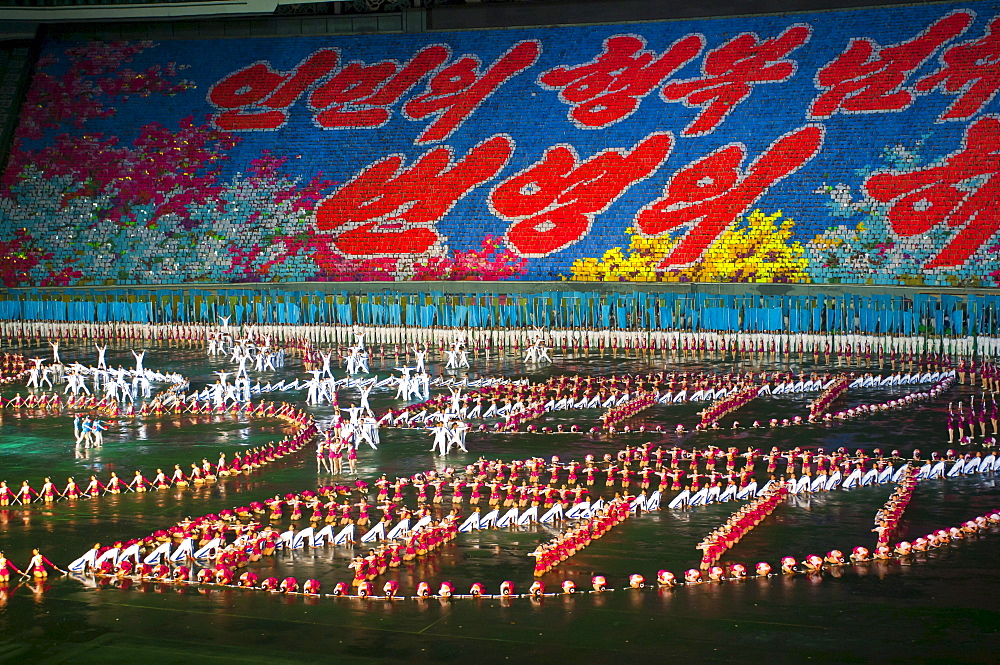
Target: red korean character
<point>257,96</point>
<point>712,192</point>
<point>456,91</point>
<point>610,87</point>
<point>960,191</point>
<point>972,71</point>
<point>359,95</point>
<point>730,72</point>
<point>868,78</point>
<point>554,201</point>
<point>390,209</point>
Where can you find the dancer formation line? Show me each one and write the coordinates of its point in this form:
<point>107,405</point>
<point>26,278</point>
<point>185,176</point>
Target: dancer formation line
<point>413,524</point>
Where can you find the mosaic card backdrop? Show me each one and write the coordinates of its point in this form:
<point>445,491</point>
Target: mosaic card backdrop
<point>840,147</point>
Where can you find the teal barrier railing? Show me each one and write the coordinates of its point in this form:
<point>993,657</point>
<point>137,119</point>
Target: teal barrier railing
<point>939,314</point>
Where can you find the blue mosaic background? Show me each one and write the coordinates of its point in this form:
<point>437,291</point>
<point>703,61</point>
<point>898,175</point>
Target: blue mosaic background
<point>120,177</point>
